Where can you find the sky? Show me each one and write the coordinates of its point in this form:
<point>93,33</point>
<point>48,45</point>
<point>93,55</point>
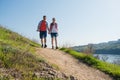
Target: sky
<point>80,22</point>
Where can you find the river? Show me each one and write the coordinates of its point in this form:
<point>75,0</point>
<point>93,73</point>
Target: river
<point>111,58</point>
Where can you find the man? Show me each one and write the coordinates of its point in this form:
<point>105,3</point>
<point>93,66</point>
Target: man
<point>42,28</point>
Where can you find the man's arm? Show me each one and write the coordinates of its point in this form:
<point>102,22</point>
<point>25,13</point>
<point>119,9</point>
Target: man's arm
<point>47,26</point>
<point>38,28</point>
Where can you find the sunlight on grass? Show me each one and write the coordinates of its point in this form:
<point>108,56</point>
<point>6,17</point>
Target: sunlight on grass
<point>111,69</point>
<point>18,59</point>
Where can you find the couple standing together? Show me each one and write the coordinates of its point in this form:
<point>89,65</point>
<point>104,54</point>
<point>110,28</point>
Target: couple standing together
<point>53,31</point>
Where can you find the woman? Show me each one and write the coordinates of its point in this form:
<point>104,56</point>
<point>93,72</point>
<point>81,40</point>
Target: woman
<point>54,33</point>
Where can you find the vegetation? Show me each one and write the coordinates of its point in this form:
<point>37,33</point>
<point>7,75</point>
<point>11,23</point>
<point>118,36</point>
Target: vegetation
<point>111,69</point>
<point>17,58</point>
<point>16,40</point>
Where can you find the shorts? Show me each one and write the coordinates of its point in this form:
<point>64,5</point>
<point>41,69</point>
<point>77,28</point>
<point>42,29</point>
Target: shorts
<point>43,34</point>
<point>54,35</point>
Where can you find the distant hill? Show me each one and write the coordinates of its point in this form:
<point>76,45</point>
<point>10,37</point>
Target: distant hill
<point>111,47</point>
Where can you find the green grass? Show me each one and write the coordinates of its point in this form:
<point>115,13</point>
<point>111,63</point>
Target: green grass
<point>17,58</point>
<point>16,54</point>
<point>110,69</point>
<point>16,40</point>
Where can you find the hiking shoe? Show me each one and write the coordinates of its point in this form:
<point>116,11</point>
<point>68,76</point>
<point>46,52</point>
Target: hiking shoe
<point>52,47</point>
<point>45,46</point>
<point>56,47</point>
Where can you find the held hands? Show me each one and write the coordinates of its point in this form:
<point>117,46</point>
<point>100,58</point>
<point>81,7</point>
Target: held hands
<point>48,32</point>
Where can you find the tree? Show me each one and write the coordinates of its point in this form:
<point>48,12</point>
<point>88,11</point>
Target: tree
<point>89,49</point>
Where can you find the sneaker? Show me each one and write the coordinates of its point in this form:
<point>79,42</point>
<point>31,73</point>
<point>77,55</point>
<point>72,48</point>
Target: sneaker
<point>52,47</point>
<point>56,47</point>
<point>45,46</point>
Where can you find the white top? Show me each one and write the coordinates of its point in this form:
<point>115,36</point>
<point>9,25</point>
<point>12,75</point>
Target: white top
<point>54,29</point>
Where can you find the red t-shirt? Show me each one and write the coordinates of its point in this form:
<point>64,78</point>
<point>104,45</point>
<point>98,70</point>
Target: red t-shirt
<point>43,25</point>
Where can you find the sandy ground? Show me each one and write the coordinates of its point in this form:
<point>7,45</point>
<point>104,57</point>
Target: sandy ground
<point>71,66</point>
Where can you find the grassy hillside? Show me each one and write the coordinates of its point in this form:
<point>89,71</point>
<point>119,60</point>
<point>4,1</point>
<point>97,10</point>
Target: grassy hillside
<point>111,69</point>
<point>18,61</point>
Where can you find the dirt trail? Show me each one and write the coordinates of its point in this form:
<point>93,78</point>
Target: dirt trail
<point>71,66</point>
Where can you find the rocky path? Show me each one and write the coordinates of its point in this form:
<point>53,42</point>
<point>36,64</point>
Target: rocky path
<point>71,66</point>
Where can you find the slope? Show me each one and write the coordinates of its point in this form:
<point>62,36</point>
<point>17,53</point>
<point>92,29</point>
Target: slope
<point>70,66</point>
<point>19,62</point>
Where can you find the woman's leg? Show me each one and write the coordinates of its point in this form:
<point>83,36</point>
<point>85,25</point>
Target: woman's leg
<point>56,42</point>
<point>52,41</point>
